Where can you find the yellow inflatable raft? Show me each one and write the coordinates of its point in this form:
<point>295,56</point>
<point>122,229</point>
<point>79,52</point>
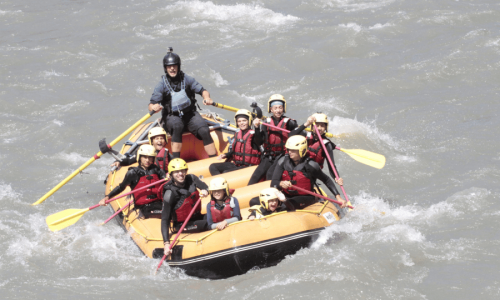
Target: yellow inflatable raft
<point>242,245</point>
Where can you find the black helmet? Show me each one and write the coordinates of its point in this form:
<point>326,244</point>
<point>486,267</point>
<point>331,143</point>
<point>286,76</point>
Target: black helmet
<point>171,59</point>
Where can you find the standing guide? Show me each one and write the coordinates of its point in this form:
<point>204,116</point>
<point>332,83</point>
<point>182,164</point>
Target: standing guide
<point>175,95</point>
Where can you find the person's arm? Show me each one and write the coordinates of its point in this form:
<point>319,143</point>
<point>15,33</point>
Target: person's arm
<point>291,124</point>
<point>210,221</point>
<point>129,178</point>
<point>316,173</point>
<point>195,86</point>
<point>278,171</point>
<point>236,209</point>
<point>166,215</point>
<point>329,148</point>
<point>156,97</point>
<point>198,183</point>
<point>299,130</point>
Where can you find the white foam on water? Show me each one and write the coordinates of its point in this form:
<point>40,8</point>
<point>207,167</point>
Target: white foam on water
<point>405,158</point>
<point>252,16</point>
<point>7,193</point>
<point>381,26</point>
<point>52,73</point>
<point>57,108</point>
<point>353,26</point>
<point>58,123</point>
<point>218,80</point>
<point>368,128</point>
<point>10,12</point>
<point>493,42</point>
<point>356,5</point>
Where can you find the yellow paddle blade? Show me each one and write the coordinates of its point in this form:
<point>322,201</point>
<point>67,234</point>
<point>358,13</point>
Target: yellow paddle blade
<point>366,157</point>
<point>64,218</point>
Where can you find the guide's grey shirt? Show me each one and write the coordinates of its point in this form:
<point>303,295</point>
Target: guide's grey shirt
<point>161,93</point>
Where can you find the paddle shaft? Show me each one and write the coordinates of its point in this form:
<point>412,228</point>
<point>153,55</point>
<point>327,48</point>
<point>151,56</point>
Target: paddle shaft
<point>329,160</point>
<point>126,194</point>
<point>327,134</point>
<point>178,233</point>
<point>318,195</point>
<point>118,211</point>
<point>97,156</point>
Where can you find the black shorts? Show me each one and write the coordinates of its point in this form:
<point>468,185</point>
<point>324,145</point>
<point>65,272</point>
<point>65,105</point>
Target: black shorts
<point>176,125</point>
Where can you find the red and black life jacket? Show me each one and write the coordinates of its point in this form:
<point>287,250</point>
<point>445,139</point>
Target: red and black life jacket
<point>244,154</point>
<point>221,215</point>
<point>276,139</point>
<point>315,149</point>
<point>148,195</point>
<point>297,175</point>
<point>183,211</point>
<point>162,159</point>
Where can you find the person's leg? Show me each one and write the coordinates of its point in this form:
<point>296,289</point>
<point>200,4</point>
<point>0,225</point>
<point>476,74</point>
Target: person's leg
<point>261,170</point>
<point>199,127</point>
<point>301,201</point>
<point>175,126</point>
<point>270,171</point>
<point>219,168</point>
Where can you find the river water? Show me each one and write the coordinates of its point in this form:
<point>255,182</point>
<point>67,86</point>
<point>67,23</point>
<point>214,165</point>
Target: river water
<point>417,81</point>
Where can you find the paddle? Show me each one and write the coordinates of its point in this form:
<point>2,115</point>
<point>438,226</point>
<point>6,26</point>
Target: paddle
<point>363,156</point>
<point>117,212</point>
<point>330,161</point>
<point>68,217</point>
<point>318,195</point>
<point>178,233</point>
<point>97,156</point>
<point>234,109</point>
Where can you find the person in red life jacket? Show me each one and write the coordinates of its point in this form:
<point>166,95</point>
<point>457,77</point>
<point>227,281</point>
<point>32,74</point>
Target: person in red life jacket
<point>273,140</point>
<point>297,168</point>
<point>147,201</point>
<point>223,209</point>
<point>180,194</point>
<point>245,150</point>
<point>158,139</point>
<point>271,201</point>
<point>174,95</point>
<point>314,149</point>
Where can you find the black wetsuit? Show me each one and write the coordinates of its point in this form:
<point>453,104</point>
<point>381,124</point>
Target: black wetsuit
<point>228,166</point>
<point>329,147</point>
<point>175,121</point>
<point>132,178</point>
<point>313,172</point>
<point>173,197</point>
<point>265,167</point>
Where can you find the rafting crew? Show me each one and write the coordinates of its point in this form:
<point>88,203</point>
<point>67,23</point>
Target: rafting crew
<point>271,201</point>
<point>314,149</point>
<point>147,201</point>
<point>175,96</point>
<point>245,149</point>
<point>180,194</point>
<point>158,139</point>
<point>223,209</point>
<point>273,140</point>
<point>297,168</point>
